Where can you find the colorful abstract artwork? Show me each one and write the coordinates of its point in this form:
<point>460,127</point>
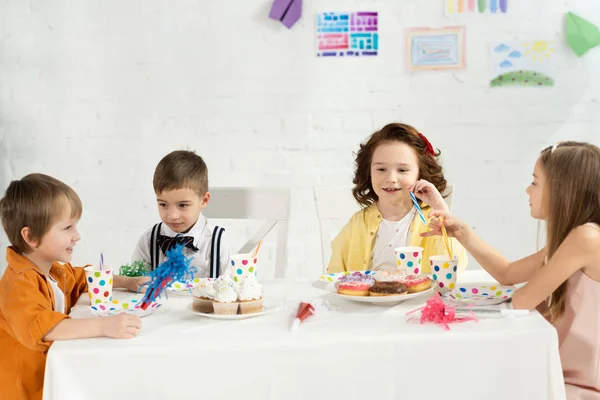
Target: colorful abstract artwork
<point>347,34</point>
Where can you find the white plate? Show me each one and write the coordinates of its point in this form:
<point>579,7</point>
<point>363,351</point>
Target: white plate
<point>182,288</point>
<point>381,299</point>
<point>116,307</point>
<point>268,309</point>
<point>479,294</point>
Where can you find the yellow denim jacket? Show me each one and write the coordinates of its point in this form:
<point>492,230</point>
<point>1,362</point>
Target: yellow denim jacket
<point>351,248</point>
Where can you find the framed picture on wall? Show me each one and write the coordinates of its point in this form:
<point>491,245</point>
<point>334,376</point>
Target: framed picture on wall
<point>523,63</point>
<point>435,48</point>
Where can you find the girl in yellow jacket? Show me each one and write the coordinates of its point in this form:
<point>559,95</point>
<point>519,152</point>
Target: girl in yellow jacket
<point>394,161</point>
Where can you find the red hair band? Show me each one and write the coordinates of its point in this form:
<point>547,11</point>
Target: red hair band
<point>428,147</point>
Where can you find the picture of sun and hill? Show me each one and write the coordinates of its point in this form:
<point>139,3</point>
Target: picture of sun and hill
<point>523,64</point>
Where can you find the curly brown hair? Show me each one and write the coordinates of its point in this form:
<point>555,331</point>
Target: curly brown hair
<point>429,167</point>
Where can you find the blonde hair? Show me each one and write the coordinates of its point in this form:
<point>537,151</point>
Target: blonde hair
<point>181,169</point>
<point>572,173</point>
<point>36,202</point>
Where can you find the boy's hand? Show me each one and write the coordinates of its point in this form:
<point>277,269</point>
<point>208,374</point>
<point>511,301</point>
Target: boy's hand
<point>428,193</point>
<point>122,326</point>
<point>134,284</point>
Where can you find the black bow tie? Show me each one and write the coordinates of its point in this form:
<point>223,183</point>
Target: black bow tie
<point>167,242</point>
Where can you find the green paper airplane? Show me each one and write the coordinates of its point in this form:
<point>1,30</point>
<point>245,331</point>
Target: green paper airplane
<point>582,35</point>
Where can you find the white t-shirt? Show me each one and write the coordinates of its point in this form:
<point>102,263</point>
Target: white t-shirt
<point>202,232</point>
<point>391,234</point>
<point>59,296</point>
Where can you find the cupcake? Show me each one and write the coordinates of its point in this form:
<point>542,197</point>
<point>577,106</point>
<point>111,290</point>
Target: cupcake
<point>226,301</point>
<point>250,293</point>
<point>203,295</point>
<point>223,281</point>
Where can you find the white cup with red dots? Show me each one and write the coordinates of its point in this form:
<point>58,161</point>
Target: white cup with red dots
<point>443,271</point>
<point>100,284</point>
<point>242,266</point>
<point>409,259</point>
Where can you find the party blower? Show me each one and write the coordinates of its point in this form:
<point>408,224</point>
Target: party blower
<point>439,313</point>
<point>305,310</point>
<point>175,267</point>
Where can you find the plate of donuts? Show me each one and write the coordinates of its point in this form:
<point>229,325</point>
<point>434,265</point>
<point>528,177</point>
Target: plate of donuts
<point>379,287</point>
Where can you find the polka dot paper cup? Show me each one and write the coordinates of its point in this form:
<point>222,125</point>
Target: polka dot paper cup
<point>409,259</point>
<point>443,272</point>
<point>100,283</point>
<point>242,266</point>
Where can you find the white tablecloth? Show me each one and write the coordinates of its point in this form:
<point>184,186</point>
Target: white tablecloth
<point>359,351</point>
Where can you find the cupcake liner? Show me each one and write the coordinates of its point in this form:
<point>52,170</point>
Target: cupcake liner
<point>225,308</point>
<point>251,306</point>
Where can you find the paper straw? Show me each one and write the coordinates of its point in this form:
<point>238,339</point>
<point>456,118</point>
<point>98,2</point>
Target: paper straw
<point>257,248</point>
<point>416,203</point>
<point>447,242</point>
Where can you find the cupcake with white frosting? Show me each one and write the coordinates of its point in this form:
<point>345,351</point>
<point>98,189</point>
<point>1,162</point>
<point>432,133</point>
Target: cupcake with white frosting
<point>225,300</point>
<point>203,295</point>
<point>250,294</point>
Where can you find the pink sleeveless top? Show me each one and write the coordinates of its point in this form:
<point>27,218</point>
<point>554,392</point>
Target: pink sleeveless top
<point>579,338</point>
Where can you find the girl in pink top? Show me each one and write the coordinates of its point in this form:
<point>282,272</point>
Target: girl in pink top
<point>563,278</point>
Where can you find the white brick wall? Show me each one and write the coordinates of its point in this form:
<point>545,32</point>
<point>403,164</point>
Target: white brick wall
<point>96,92</point>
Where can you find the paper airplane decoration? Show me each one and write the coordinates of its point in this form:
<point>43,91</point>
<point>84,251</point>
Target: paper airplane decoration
<point>582,35</point>
<point>286,11</point>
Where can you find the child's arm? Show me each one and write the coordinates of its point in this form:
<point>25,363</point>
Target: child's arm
<point>30,317</point>
<point>130,283</point>
<point>579,250</point>
<point>504,271</point>
<point>121,326</point>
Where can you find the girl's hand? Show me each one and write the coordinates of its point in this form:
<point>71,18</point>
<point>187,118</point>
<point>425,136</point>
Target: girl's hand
<point>428,193</point>
<point>122,326</point>
<point>454,226</point>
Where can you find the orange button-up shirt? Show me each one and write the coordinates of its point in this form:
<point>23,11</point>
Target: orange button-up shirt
<point>27,314</point>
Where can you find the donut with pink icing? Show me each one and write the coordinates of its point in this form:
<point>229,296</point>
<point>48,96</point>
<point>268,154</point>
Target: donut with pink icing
<point>389,276</point>
<point>355,284</point>
<point>416,283</point>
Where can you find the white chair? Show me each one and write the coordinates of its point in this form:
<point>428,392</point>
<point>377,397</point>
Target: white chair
<point>449,195</point>
<point>335,205</point>
<point>272,205</point>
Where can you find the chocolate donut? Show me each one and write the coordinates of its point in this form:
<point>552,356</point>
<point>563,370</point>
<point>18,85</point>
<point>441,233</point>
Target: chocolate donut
<point>387,289</point>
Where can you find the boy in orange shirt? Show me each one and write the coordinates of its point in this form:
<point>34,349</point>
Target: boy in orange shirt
<point>39,215</point>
